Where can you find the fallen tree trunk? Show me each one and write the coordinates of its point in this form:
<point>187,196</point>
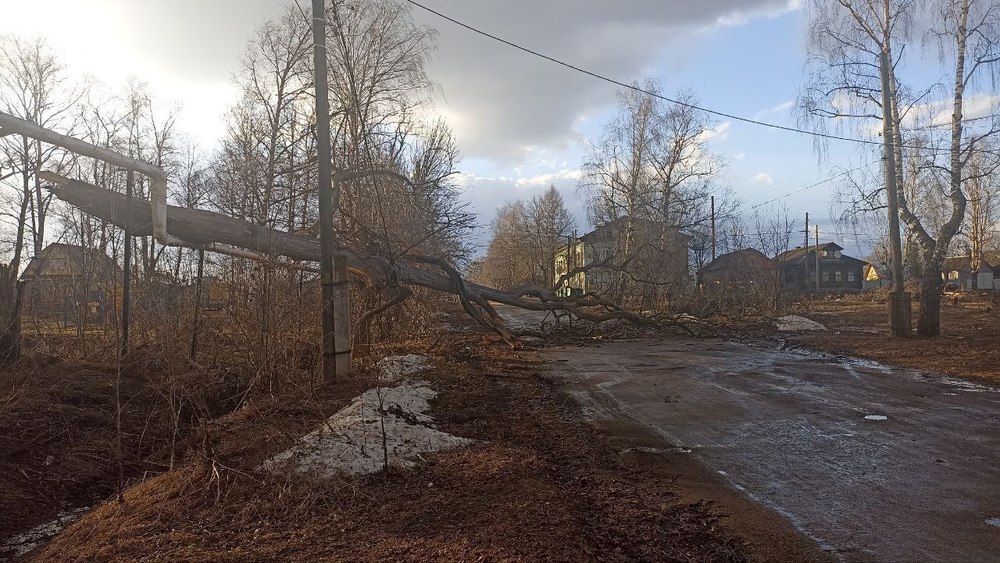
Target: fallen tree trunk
<point>197,228</point>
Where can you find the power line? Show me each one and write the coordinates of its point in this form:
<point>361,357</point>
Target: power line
<point>658,96</point>
<point>815,184</point>
<point>940,125</point>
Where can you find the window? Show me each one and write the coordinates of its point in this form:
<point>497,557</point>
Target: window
<point>826,276</point>
<point>839,276</point>
<point>851,277</point>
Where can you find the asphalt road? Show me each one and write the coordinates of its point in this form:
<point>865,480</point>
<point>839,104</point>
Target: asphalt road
<point>871,462</point>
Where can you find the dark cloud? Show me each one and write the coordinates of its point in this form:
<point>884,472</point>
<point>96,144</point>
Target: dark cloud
<point>502,101</point>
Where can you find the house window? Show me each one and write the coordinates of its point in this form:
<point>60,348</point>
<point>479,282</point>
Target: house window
<point>839,276</point>
<point>851,277</point>
<point>953,275</point>
<point>826,276</point>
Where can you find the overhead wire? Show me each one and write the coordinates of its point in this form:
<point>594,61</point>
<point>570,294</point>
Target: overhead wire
<point>641,90</point>
<point>815,184</point>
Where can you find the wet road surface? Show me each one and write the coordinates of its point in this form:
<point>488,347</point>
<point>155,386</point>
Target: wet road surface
<point>871,462</point>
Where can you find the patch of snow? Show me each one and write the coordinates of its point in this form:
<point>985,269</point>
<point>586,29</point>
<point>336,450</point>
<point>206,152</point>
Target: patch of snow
<point>993,522</point>
<point>651,450</point>
<point>26,541</point>
<point>795,323</point>
<point>967,386</point>
<point>351,441</point>
<point>876,417</point>
<point>396,368</point>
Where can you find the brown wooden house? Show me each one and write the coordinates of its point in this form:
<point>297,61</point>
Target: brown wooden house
<point>746,267</point>
<point>835,270</point>
<point>69,282</point>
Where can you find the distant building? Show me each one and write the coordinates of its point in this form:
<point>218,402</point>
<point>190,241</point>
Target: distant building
<point>835,270</point>
<point>746,267</point>
<point>872,278</point>
<point>659,253</point>
<point>69,281</point>
<point>957,272</point>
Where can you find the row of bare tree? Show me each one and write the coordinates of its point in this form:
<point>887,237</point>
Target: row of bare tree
<point>943,156</point>
<point>264,172</point>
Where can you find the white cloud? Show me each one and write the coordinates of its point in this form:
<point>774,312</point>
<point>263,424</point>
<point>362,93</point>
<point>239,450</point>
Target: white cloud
<point>938,112</point>
<point>777,110</point>
<point>764,178</point>
<point>545,180</point>
<point>740,17</point>
<point>718,133</point>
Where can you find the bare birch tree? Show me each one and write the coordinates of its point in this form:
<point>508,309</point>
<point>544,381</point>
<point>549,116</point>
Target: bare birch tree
<point>846,40</point>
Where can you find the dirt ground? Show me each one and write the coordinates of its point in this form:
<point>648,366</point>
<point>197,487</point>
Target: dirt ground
<point>541,484</point>
<point>969,345</point>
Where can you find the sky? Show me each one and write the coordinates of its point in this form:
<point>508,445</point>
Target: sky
<point>521,123</point>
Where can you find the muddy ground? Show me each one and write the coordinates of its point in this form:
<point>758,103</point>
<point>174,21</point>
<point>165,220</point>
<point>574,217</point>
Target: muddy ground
<point>542,483</point>
<point>969,345</point>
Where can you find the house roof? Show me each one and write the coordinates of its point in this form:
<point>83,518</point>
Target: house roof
<point>607,231</point>
<point>78,256</point>
<point>739,259</point>
<point>798,254</point>
<point>991,261</point>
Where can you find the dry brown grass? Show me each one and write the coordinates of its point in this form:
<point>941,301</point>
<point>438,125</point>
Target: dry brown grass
<point>541,484</point>
<point>969,345</point>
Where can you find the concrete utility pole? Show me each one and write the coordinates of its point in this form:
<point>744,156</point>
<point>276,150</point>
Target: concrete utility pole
<point>327,240</point>
<point>817,257</point>
<point>127,265</point>
<point>899,299</point>
<point>806,231</point>
<point>713,227</point>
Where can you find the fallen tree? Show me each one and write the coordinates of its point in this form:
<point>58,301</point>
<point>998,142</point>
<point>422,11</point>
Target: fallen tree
<point>201,229</point>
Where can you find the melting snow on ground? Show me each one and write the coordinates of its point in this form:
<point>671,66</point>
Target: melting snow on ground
<point>795,323</point>
<point>26,541</point>
<point>395,368</point>
<point>351,441</point>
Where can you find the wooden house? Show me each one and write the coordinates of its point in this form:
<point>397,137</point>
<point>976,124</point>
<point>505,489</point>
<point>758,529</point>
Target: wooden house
<point>741,268</point>
<point>70,282</point>
<point>802,266</point>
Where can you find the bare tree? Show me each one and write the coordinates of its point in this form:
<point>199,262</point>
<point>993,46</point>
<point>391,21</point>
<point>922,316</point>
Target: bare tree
<point>652,165</point>
<point>983,192</point>
<point>526,238</point>
<point>847,39</point>
<point>35,87</point>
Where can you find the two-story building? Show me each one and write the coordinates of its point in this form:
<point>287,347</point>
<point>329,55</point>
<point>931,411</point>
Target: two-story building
<point>652,251</point>
<point>802,266</point>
